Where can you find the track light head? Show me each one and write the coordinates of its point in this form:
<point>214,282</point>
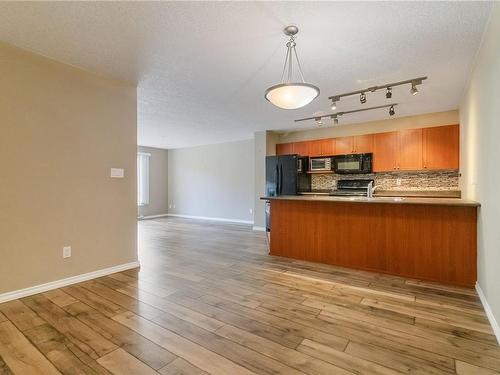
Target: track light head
<point>414,90</point>
<point>388,93</point>
<point>362,98</point>
<point>335,121</point>
<point>318,121</point>
<point>334,105</point>
<point>392,112</point>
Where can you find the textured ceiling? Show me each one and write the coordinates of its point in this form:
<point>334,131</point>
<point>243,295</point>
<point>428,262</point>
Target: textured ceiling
<point>202,67</point>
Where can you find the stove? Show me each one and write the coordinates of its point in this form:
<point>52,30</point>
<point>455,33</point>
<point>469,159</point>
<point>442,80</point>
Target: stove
<point>351,188</point>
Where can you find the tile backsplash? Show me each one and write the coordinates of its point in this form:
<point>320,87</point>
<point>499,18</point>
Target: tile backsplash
<point>421,180</point>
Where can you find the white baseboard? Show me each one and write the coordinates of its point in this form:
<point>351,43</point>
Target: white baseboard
<point>151,216</point>
<point>212,218</point>
<point>9,296</point>
<point>260,229</point>
<point>489,312</point>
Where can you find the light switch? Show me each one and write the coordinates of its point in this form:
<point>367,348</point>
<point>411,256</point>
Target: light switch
<point>117,172</point>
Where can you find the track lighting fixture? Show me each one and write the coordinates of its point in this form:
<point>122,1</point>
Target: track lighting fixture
<point>334,105</point>
<point>392,112</point>
<point>335,116</point>
<point>362,96</point>
<point>414,90</point>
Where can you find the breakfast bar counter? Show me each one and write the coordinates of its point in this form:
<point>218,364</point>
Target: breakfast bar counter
<point>430,239</point>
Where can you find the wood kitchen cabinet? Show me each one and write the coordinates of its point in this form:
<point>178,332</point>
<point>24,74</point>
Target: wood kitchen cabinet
<point>385,151</point>
<point>441,147</point>
<point>301,148</point>
<point>322,147</point>
<point>410,150</point>
<point>363,144</point>
<point>344,145</point>
<point>284,148</point>
<point>358,144</point>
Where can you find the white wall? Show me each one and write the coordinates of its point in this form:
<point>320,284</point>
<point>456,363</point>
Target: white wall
<point>212,181</point>
<point>479,119</point>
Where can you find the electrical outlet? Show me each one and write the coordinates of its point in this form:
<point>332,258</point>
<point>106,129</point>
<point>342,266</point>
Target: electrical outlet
<point>251,210</point>
<point>66,251</point>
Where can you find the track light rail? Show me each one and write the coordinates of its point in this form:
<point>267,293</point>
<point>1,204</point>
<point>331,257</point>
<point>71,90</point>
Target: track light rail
<point>337,114</point>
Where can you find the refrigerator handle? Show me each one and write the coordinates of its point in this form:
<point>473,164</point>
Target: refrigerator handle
<point>281,179</point>
<point>276,178</point>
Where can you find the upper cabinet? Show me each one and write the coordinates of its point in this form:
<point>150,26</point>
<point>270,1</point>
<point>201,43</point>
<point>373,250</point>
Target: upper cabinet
<point>405,150</point>
<point>301,148</point>
<point>410,150</point>
<point>284,148</point>
<point>363,144</point>
<point>385,151</point>
<point>322,147</point>
<point>441,147</point>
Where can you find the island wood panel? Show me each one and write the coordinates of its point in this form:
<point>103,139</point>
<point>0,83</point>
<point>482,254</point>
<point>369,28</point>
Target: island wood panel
<point>426,242</point>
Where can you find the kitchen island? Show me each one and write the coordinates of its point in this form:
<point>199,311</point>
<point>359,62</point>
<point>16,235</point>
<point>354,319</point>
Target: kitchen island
<point>423,238</point>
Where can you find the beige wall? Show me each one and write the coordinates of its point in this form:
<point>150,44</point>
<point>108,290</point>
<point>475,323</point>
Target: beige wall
<point>409,122</point>
<point>214,181</point>
<point>158,182</point>
<point>479,118</point>
<point>61,131</point>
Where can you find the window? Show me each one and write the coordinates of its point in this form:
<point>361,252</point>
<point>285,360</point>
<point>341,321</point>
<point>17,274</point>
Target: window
<point>143,178</point>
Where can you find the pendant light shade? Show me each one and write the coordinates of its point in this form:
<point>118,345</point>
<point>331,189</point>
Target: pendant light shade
<point>290,94</point>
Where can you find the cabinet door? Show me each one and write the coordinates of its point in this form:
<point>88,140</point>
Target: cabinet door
<point>363,144</point>
<point>322,147</point>
<point>385,152</point>
<point>410,149</point>
<point>301,148</point>
<point>284,149</point>
<point>344,145</point>
<point>441,147</point>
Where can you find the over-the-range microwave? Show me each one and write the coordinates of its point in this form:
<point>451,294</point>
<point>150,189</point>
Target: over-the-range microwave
<point>320,164</point>
<point>353,163</point>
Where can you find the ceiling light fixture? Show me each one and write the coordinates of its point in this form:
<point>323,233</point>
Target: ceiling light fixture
<point>290,94</point>
<point>335,116</point>
<point>318,121</point>
<point>414,90</point>
<point>414,82</point>
<point>335,120</point>
<point>392,112</point>
<point>334,105</point>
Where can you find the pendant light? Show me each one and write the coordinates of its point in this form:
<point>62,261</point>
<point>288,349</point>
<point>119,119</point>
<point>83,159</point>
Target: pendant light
<point>290,94</point>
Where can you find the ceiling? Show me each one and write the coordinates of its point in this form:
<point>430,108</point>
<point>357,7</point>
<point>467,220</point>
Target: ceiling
<point>202,67</point>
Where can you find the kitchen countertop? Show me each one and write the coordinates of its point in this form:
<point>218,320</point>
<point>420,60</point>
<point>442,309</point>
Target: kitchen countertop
<point>391,200</point>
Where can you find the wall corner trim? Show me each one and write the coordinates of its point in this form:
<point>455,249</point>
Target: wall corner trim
<point>9,296</point>
<point>489,312</point>
<point>212,218</point>
<point>259,229</point>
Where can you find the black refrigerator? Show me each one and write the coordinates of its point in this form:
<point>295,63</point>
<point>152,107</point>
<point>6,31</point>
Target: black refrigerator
<point>286,175</point>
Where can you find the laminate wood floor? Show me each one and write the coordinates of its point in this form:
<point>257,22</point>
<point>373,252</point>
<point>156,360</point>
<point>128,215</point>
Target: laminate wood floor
<point>209,300</point>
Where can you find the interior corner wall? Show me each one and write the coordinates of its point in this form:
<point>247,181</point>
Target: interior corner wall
<point>62,129</point>
<point>479,116</point>
<point>158,182</point>
<point>213,181</point>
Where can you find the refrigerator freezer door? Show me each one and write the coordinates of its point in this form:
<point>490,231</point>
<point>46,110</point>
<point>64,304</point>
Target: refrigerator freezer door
<point>287,165</point>
<point>271,176</point>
